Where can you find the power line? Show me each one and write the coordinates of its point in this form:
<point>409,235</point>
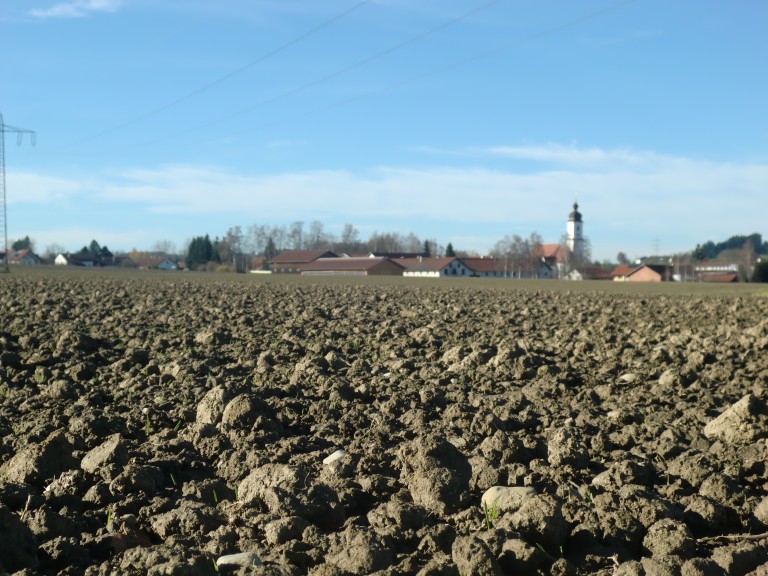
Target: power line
<point>330,76</point>
<point>463,62</point>
<point>224,78</point>
<point>469,60</point>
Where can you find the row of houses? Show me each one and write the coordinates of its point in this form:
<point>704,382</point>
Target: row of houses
<point>721,272</point>
<point>326,263</point>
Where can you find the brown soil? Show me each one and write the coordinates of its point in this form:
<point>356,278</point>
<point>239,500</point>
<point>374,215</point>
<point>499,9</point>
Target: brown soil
<point>157,425</point>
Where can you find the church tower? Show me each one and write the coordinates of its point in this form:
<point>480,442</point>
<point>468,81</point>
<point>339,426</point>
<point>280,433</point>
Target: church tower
<point>575,232</point>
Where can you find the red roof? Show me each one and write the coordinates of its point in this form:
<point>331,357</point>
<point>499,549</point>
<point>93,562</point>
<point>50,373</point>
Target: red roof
<point>549,250</point>
<point>484,265</point>
<point>348,264</point>
<point>301,256</point>
<point>732,277</point>
<point>622,270</point>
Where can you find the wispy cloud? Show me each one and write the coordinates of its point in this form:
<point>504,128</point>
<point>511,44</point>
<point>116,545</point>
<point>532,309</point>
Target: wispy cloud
<point>628,197</point>
<point>76,9</point>
<point>576,156</point>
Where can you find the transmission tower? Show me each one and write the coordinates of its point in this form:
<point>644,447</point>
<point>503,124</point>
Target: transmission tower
<point>3,205</point>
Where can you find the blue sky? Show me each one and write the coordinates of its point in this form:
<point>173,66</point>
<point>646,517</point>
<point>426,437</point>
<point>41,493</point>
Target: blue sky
<point>460,120</point>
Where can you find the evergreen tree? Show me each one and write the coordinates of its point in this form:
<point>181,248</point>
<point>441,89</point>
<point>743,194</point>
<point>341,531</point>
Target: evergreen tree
<point>426,251</point>
<point>270,251</point>
<point>200,252</point>
<point>23,244</point>
<point>449,251</point>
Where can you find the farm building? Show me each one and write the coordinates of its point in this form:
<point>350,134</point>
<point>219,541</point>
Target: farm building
<point>716,271</point>
<point>433,267</point>
<point>294,261</point>
<point>351,267</point>
<point>482,267</point>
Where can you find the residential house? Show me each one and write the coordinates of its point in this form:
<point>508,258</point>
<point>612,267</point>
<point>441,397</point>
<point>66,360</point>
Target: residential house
<point>651,273</point>
<point>621,271</point>
<point>168,264</point>
<point>365,266</point>
<point>85,259</point>
<point>294,261</point>
<point>555,256</point>
<point>24,257</point>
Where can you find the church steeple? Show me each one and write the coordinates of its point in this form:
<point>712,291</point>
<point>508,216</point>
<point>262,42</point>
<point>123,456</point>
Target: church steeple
<point>575,216</point>
<point>575,232</point>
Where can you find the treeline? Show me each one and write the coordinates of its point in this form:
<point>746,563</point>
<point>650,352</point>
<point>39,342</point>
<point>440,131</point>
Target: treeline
<point>236,248</point>
<point>711,250</point>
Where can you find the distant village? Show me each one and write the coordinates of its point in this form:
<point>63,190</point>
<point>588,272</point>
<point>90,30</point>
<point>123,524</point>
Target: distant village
<point>567,260</point>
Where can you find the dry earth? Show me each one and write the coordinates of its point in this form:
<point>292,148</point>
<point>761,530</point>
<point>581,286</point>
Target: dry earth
<point>161,425</point>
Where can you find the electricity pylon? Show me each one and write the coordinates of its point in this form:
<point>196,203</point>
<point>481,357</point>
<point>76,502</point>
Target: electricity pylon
<point>3,205</point>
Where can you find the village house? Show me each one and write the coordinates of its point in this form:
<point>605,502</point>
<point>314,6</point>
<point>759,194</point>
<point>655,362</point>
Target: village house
<point>620,272</point>
<point>85,259</point>
<point>651,273</point>
<point>168,264</point>
<point>554,257</point>
<point>23,257</point>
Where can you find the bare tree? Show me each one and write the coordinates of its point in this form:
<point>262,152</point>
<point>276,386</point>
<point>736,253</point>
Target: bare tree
<point>318,238</point>
<point>296,235</point>
<point>517,256</point>
<point>535,253</point>
<point>411,243</point>
<point>573,260</point>
<point>349,242</point>
<point>747,264</point>
<point>256,238</point>
<point>165,247</point>
<point>53,250</point>
<point>391,242</point>
<point>232,249</point>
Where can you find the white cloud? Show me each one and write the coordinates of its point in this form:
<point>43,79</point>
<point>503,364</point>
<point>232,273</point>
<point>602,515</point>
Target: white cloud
<point>73,239</point>
<point>629,198</point>
<point>575,156</point>
<point>76,9</point>
<point>30,188</point>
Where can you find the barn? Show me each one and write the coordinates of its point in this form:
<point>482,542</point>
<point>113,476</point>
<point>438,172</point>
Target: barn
<point>352,267</point>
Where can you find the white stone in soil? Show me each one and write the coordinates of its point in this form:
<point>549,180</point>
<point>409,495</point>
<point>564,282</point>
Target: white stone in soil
<point>506,498</point>
<point>240,559</point>
<point>457,441</point>
<point>338,455</point>
<point>629,378</point>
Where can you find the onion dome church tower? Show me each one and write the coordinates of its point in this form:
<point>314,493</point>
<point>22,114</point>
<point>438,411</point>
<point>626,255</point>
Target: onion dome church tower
<point>575,232</point>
